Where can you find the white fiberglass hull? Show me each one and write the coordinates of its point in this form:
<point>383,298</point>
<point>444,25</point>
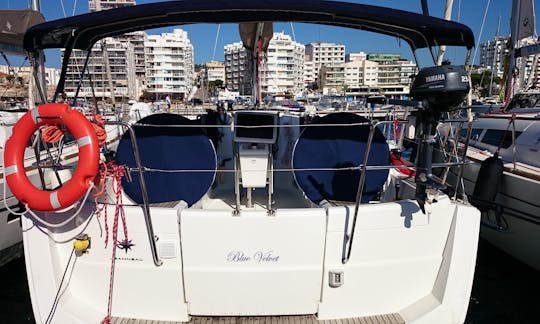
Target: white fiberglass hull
<point>518,197</point>
<point>417,265</point>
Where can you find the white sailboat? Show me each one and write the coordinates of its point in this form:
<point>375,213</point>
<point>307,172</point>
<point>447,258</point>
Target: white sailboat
<point>13,25</point>
<point>290,225</point>
<point>507,193</point>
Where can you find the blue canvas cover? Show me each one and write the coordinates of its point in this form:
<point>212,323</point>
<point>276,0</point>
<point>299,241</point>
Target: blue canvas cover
<point>169,148</point>
<point>83,31</point>
<point>339,147</point>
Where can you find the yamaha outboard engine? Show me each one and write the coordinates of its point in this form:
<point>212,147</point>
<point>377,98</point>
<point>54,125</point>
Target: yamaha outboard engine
<point>439,88</point>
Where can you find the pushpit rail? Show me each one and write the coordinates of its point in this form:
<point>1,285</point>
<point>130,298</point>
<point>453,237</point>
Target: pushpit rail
<point>348,236</point>
<point>146,205</point>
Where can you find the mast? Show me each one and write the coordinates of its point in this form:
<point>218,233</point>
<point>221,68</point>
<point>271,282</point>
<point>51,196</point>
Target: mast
<point>447,16</point>
<point>39,80</point>
<point>514,26</point>
<point>494,57</point>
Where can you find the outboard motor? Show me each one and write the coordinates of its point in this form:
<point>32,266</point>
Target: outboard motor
<point>439,89</point>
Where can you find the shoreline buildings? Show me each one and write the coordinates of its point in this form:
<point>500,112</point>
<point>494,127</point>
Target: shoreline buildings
<point>169,65</point>
<point>163,65</point>
<point>126,66</point>
<point>492,58</point>
<point>281,74</point>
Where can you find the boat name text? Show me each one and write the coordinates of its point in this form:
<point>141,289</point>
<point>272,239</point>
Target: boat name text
<point>257,256</point>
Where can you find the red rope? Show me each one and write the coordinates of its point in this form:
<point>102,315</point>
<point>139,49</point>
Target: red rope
<point>510,121</point>
<point>510,91</point>
<point>395,129</point>
<point>53,133</point>
<point>101,188</point>
<point>99,127</point>
<point>116,173</point>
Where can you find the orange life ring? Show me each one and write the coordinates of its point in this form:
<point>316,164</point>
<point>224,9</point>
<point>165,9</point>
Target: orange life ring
<point>87,167</point>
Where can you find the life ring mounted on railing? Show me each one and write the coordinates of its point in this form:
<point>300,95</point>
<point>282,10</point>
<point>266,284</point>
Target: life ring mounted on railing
<point>87,167</point>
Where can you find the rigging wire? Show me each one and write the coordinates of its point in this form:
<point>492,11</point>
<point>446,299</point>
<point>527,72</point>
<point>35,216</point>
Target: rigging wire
<point>74,7</point>
<point>458,20</point>
<point>293,33</point>
<point>215,42</point>
<point>57,297</point>
<point>63,8</point>
<point>481,30</point>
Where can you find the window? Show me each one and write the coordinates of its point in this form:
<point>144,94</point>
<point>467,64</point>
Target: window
<point>475,133</point>
<point>497,136</point>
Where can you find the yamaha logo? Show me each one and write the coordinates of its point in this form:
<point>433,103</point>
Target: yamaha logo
<point>436,77</point>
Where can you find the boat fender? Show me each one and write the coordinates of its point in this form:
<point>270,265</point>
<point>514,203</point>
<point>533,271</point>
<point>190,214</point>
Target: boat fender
<point>487,183</point>
<point>15,174</point>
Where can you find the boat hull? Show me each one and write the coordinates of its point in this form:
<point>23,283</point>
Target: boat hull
<point>218,263</point>
<point>518,199</point>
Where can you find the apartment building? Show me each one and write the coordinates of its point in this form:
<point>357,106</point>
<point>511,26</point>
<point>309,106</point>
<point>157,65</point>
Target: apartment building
<point>283,72</point>
<point>238,69</point>
<point>492,54</point>
<point>389,68</point>
<point>360,73</point>
<point>332,77</point>
<point>407,69</point>
<point>108,68</point>
<point>214,71</point>
<point>97,5</point>
<point>112,76</point>
<point>324,54</point>
<point>169,65</point>
<point>361,56</point>
<point>310,79</point>
<point>349,76</point>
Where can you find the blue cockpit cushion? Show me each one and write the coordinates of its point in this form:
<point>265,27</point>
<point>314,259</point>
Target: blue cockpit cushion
<point>168,152</point>
<point>339,148</point>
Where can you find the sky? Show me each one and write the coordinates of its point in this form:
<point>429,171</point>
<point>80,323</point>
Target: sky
<point>203,37</point>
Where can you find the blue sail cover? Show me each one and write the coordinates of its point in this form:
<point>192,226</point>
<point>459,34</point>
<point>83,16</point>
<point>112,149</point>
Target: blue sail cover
<point>169,148</point>
<point>339,147</point>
